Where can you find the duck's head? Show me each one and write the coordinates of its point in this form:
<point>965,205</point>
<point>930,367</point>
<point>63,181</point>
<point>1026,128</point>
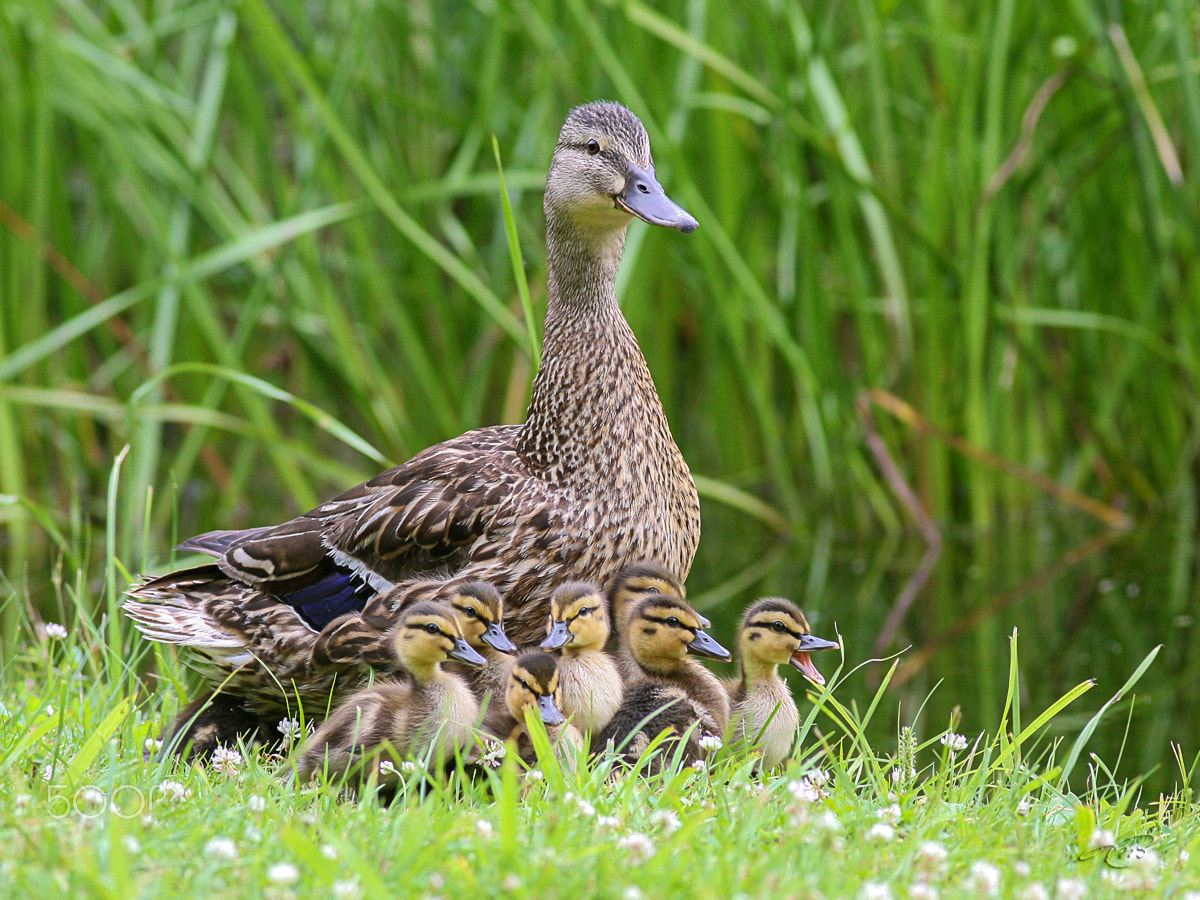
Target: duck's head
<point>602,173</point>
<point>427,634</point>
<point>638,581</point>
<point>533,682</point>
<point>662,630</point>
<point>578,617</point>
<point>479,609</point>
<point>774,631</point>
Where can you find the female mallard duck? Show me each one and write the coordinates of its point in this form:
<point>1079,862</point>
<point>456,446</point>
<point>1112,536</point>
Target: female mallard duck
<point>675,693</point>
<point>432,714</point>
<point>591,482</point>
<point>533,682</point>
<point>773,631</point>
<point>592,687</point>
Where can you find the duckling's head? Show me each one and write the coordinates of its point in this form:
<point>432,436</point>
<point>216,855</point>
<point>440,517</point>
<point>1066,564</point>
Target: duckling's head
<point>533,681</point>
<point>479,609</point>
<point>636,582</point>
<point>578,617</point>
<point>662,630</point>
<point>602,173</point>
<point>426,635</point>
<point>774,631</point>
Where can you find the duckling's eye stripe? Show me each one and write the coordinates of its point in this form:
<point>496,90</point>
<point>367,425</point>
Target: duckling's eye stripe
<point>665,620</point>
<point>768,626</point>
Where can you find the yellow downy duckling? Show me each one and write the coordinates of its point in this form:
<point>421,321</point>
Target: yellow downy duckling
<point>773,632</point>
<point>675,693</point>
<point>632,585</point>
<point>533,682</point>
<point>432,714</point>
<point>591,684</point>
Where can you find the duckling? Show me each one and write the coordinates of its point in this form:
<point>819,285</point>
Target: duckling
<point>479,609</point>
<point>773,631</point>
<point>592,687</point>
<point>433,713</point>
<point>675,692</point>
<point>533,680</point>
<point>630,586</point>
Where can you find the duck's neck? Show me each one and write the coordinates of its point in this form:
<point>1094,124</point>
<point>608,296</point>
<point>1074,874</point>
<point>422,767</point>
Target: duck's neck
<point>594,381</point>
<point>757,671</point>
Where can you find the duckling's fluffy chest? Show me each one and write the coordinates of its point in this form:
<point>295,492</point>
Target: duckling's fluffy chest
<point>768,718</point>
<point>591,688</point>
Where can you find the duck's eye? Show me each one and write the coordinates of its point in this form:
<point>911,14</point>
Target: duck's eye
<point>587,610</point>
<point>779,626</point>
<point>673,622</point>
<point>471,614</point>
<point>593,147</point>
<point>432,628</point>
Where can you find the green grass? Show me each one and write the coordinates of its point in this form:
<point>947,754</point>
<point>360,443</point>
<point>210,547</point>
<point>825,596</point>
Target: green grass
<point>86,815</point>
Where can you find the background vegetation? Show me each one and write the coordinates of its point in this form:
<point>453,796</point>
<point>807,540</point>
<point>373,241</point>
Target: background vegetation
<point>252,252</point>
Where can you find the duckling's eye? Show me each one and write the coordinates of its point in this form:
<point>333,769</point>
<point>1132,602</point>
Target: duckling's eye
<point>673,622</point>
<point>471,614</point>
<point>780,627</point>
<point>432,628</point>
<point>585,611</point>
<point>593,147</point>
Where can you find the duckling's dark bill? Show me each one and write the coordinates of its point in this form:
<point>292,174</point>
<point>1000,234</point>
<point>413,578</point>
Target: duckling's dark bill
<point>495,638</point>
<point>465,653</point>
<point>703,645</point>
<point>644,197</point>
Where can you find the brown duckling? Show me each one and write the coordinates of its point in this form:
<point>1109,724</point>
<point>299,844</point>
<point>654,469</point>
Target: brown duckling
<point>592,687</point>
<point>433,713</point>
<point>675,693</point>
<point>630,586</point>
<point>533,681</point>
<point>773,631</point>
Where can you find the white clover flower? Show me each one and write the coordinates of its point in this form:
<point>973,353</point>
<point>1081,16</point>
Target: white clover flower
<point>804,792</point>
<point>55,632</point>
<point>1143,857</point>
<point>408,766</point>
<point>256,803</point>
<point>633,892</point>
<point>955,742</point>
<point>253,834</point>
<point>922,891</point>
<point>131,844</point>
<point>699,765</point>
<point>889,813</point>
<point>875,890</point>
<point>483,828</point>
<point>816,777</point>
<point>347,890</point>
<point>666,820</point>
<point>1034,891</point>
<point>710,742</point>
<point>494,753</point>
<point>387,767</point>
<point>329,851</point>
<point>152,745</point>
<point>1102,839</point>
<point>1070,889</point>
<point>984,878</point>
<point>173,791</point>
<point>511,882</point>
<point>932,853</point>
<point>899,774</point>
<point>1022,869</point>
<point>585,809</point>
<point>221,849</point>
<point>47,772</point>
<point>640,847</point>
<point>827,821</point>
<point>608,822</point>
<point>283,873</point>
<point>881,831</point>
<point>1023,807</point>
<point>534,775</point>
<point>48,711</point>
<point>227,760</point>
<point>437,881</point>
<point>291,729</point>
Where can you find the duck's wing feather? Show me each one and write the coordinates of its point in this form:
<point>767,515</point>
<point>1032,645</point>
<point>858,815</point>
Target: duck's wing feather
<point>414,518</point>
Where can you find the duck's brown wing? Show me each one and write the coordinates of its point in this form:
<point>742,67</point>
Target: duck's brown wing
<point>423,516</point>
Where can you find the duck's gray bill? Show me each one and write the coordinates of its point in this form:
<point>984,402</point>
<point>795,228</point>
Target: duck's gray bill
<point>559,636</point>
<point>464,652</point>
<point>495,638</point>
<point>549,711</point>
<point>703,645</point>
<point>644,197</point>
